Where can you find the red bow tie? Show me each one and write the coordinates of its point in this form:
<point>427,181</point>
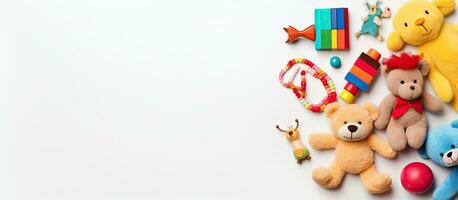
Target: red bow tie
<point>402,106</point>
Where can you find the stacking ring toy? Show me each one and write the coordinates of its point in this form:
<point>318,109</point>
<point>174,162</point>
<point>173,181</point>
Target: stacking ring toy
<point>300,91</point>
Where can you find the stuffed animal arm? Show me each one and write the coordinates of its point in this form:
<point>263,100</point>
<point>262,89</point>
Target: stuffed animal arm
<point>439,83</point>
<point>323,141</point>
<point>386,13</point>
<point>381,146</point>
<point>385,114</point>
<point>431,103</point>
<point>394,42</point>
<point>378,21</point>
<point>448,188</point>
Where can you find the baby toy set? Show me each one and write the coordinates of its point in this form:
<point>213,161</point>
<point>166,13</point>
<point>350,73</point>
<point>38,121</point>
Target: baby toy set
<point>401,114</point>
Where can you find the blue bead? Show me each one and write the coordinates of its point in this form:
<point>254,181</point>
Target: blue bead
<point>335,62</point>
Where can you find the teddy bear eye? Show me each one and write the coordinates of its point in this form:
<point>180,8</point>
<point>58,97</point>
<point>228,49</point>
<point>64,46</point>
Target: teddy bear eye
<point>415,81</point>
<point>405,24</point>
<point>359,122</point>
<point>426,11</point>
<point>402,82</point>
<point>453,146</point>
<point>441,154</point>
<point>345,122</point>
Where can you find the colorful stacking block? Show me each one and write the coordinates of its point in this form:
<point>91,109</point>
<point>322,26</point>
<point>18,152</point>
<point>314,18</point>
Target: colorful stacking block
<point>326,39</point>
<point>341,39</point>
<point>340,18</point>
<point>331,30</point>
<point>361,75</point>
<point>346,29</point>
<point>333,20</point>
<point>334,39</point>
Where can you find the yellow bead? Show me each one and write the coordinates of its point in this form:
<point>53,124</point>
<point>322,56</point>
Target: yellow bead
<point>346,96</point>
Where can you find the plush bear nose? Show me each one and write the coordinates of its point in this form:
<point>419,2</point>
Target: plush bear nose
<point>412,87</point>
<point>449,154</point>
<point>420,21</point>
<point>352,128</point>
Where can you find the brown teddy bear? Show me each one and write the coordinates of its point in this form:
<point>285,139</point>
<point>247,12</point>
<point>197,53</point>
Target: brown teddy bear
<point>354,144</point>
<point>402,110</point>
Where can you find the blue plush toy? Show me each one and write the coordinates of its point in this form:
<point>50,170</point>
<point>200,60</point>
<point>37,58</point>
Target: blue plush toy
<point>441,146</point>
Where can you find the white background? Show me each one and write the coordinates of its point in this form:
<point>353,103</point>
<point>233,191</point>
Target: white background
<point>112,99</point>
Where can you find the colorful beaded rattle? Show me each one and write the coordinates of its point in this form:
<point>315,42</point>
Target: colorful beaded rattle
<point>316,72</point>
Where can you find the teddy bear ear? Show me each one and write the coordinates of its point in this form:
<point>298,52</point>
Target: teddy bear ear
<point>394,41</point>
<point>424,67</point>
<point>445,6</point>
<point>372,109</point>
<point>331,109</point>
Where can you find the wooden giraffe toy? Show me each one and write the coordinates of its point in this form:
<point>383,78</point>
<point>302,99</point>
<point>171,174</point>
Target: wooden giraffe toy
<point>300,152</point>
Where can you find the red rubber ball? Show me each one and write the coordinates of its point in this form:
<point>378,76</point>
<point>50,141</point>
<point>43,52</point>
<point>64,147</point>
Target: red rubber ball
<point>417,178</point>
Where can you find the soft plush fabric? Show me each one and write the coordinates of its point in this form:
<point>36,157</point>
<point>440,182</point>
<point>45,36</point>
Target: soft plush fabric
<point>354,144</point>
<point>401,112</point>
<point>421,23</point>
<point>441,147</point>
<point>372,21</point>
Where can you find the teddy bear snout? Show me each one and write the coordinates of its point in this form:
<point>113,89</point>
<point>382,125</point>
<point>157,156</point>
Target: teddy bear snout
<point>352,132</point>
<point>409,91</point>
<point>450,158</point>
<point>352,128</point>
<point>420,21</point>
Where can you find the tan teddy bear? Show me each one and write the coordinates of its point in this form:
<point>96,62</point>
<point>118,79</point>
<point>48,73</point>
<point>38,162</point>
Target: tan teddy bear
<point>402,110</point>
<point>354,144</point>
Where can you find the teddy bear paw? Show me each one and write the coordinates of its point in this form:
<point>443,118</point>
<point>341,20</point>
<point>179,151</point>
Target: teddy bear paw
<point>391,154</point>
<point>378,184</point>
<point>322,176</point>
<point>416,143</point>
<point>380,123</point>
<point>416,136</point>
<point>397,145</point>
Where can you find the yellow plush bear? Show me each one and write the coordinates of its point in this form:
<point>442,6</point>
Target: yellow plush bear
<point>421,23</point>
